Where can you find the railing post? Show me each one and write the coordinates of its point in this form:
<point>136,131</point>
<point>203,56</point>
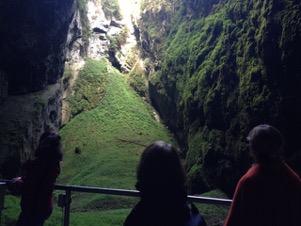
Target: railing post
<point>2,196</point>
<point>67,208</point>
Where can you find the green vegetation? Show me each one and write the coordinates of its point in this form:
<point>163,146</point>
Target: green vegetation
<point>109,138</point>
<point>157,5</point>
<point>111,9</point>
<point>11,210</point>
<point>89,88</point>
<point>221,67</point>
<point>89,218</point>
<point>156,22</point>
<point>107,131</point>
<point>118,40</point>
<point>137,80</point>
<point>216,78</point>
<point>204,58</point>
<point>214,215</point>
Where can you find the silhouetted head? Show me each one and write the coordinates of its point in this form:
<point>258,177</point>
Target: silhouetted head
<point>49,147</point>
<point>160,172</point>
<point>265,143</point>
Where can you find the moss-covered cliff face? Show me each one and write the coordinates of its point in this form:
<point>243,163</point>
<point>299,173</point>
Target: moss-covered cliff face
<point>225,67</point>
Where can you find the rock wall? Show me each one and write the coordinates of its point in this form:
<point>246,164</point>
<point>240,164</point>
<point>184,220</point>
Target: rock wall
<point>92,30</point>
<point>33,39</point>
<point>225,67</point>
<point>23,119</point>
<point>76,46</point>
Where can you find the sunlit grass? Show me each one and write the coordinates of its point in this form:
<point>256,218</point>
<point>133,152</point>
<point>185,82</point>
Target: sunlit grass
<point>109,140</point>
<point>102,147</point>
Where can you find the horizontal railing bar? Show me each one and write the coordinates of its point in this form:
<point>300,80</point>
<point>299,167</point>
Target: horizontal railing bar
<point>209,200</point>
<point>133,193</point>
<point>4,181</point>
<point>106,191</point>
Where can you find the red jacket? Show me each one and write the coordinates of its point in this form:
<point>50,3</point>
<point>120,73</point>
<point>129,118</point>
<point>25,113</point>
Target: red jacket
<point>38,184</point>
<point>267,196</point>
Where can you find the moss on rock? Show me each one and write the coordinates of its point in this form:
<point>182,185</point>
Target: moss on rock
<point>226,67</point>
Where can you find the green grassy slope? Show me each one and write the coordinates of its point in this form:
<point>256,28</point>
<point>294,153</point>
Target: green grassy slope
<point>106,139</point>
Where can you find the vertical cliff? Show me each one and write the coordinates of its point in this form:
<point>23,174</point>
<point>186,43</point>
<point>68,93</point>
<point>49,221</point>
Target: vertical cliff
<point>219,68</point>
<point>32,43</point>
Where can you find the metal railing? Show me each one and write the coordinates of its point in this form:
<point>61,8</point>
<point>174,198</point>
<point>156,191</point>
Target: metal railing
<point>68,189</point>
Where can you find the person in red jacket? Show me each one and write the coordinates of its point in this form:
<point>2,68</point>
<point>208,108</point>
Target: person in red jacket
<point>38,179</point>
<point>269,194</point>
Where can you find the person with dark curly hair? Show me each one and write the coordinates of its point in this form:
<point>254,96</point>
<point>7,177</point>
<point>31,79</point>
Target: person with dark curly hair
<point>37,181</point>
<point>161,182</point>
<point>269,194</point>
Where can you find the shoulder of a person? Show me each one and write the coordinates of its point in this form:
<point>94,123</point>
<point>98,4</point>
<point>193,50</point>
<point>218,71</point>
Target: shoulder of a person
<point>249,179</point>
<point>249,175</point>
<point>134,215</point>
<point>138,208</point>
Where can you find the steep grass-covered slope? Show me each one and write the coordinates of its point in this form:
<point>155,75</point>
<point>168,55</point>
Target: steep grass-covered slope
<point>116,130</point>
<point>102,144</point>
<point>222,67</point>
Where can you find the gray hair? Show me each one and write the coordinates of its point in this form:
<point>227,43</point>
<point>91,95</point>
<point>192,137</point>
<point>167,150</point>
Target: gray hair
<point>266,143</point>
